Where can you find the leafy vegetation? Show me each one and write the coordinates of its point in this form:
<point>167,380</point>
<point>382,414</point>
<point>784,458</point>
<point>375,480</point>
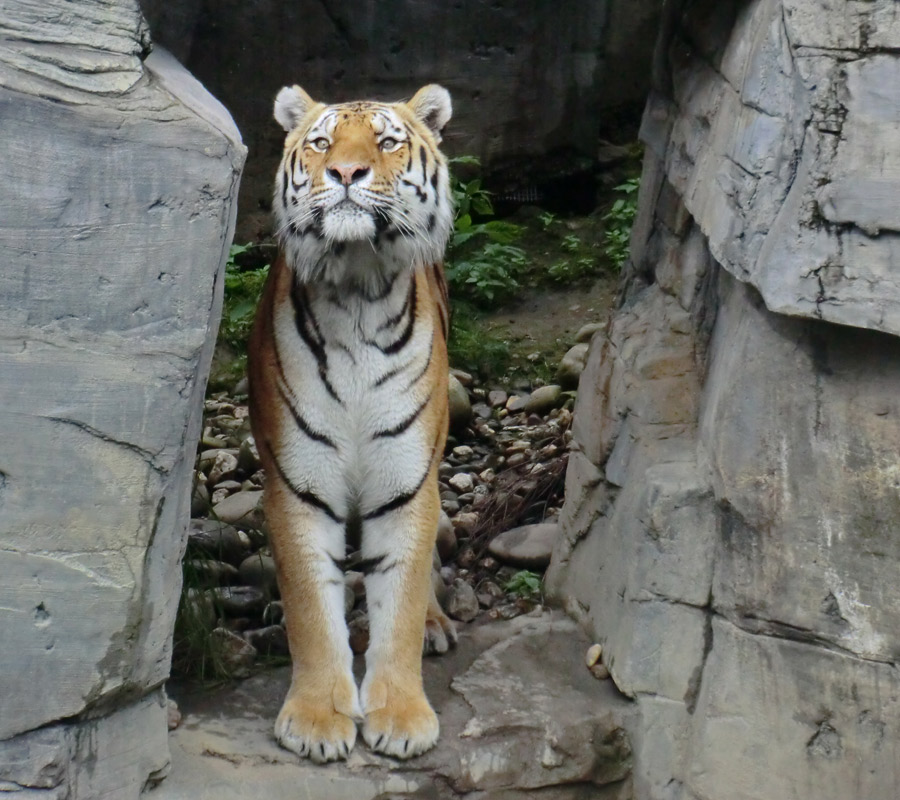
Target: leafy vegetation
<point>242,291</point>
<point>619,220</point>
<point>525,584</point>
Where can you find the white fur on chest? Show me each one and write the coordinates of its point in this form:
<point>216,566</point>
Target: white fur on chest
<point>352,388</point>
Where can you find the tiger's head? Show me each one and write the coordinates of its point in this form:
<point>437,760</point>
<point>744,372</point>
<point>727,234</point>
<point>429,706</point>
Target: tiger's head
<point>362,182</point>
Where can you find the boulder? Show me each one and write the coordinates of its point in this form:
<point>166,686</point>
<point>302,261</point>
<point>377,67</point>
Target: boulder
<point>117,204</point>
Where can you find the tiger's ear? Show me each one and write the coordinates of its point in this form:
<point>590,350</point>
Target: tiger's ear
<point>431,105</point>
<point>291,106</point>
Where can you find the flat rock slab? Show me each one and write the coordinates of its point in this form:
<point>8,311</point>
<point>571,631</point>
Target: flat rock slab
<point>518,712</point>
<point>528,546</point>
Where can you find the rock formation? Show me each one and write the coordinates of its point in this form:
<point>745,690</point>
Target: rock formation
<point>733,505</point>
<point>117,203</point>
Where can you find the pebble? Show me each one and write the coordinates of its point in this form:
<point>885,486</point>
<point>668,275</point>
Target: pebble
<point>358,628</point>
<point>446,537</point>
<point>543,399</point>
<point>482,411</point>
<point>248,456</point>
<point>357,582</point>
<point>173,714</point>
<point>237,654</point>
<point>516,403</point>
<point>450,506</point>
<point>586,332</point>
<point>528,546</point>
<point>462,482</point>
<point>200,500</point>
<point>238,601</point>
<point>461,603</point>
<point>572,365</point>
<point>600,672</point>
<point>464,522</point>
<point>259,570</point>
<point>271,640</point>
<point>497,398</point>
<point>593,655</point>
<point>463,452</point>
<point>243,510</point>
<point>218,540</point>
<point>459,405</point>
<point>223,467</point>
<point>209,572</point>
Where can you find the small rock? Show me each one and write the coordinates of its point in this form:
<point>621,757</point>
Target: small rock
<point>248,456</point>
<point>600,672</point>
<point>460,408</point>
<point>515,459</point>
<point>572,365</point>
<point>543,399</point>
<point>446,537</point>
<point>239,601</point>
<point>200,500</point>
<point>516,403</point>
<point>466,558</point>
<point>218,540</point>
<point>224,466</point>
<point>593,655</point>
<point>173,714</point>
<point>462,482</point>
<point>586,332</point>
<point>464,522</point>
<point>463,377</point>
<point>357,582</point>
<point>497,398</point>
<point>482,411</point>
<point>528,546</point>
<point>237,655</point>
<point>358,627</point>
<point>448,573</point>
<point>462,604</point>
<point>463,452</point>
<point>242,509</point>
<point>209,572</point>
<point>449,506</point>
<point>349,599</point>
<point>271,640</point>
<point>259,570</point>
<point>273,613</point>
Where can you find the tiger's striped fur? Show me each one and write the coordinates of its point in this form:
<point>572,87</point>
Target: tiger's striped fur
<point>348,381</point>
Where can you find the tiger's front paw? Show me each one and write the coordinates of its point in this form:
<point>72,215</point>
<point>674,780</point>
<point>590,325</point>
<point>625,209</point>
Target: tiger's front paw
<point>404,724</point>
<point>312,728</point>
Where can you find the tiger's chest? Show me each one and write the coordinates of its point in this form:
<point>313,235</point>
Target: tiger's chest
<point>354,376</point>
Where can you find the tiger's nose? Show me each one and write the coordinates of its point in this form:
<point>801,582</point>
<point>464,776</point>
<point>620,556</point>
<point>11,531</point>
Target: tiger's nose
<point>348,173</point>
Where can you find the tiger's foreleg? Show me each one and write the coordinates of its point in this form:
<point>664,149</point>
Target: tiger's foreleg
<point>318,718</point>
<point>399,720</point>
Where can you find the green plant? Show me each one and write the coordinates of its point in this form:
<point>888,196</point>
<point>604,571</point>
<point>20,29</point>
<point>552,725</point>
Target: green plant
<point>525,584</point>
<point>566,271</point>
<point>571,243</point>
<point>547,218</point>
<point>619,220</point>
<point>482,263</point>
<point>242,291</point>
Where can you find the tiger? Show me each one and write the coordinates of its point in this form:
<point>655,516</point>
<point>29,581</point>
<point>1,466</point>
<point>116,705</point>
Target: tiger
<point>348,377</point>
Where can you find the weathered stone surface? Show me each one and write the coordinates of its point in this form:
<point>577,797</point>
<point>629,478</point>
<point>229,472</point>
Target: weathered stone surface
<point>527,546</point>
<point>730,527</point>
<point>523,714</point>
<point>117,205</point>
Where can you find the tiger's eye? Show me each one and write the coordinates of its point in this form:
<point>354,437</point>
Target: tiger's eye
<point>320,144</point>
<point>389,144</point>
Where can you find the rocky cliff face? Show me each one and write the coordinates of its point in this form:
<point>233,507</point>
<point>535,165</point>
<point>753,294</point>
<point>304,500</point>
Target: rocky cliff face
<point>117,203</point>
<point>733,508</point>
<point>528,79</point>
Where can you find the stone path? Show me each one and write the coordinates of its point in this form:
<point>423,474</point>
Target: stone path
<point>521,716</point>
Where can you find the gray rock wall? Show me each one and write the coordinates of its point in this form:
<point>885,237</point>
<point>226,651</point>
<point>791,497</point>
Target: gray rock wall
<point>732,524</point>
<point>117,205</point>
<point>527,78</point>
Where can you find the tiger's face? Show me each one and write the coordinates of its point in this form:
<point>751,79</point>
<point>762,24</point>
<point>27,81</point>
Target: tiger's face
<point>362,179</point>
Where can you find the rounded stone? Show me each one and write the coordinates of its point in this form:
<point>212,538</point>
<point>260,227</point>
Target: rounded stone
<point>460,408</point>
<point>461,602</point>
<point>572,365</point>
<point>529,546</point>
<point>240,601</point>
<point>259,570</point>
<point>215,539</point>
<point>543,399</point>
<point>587,331</point>
<point>462,482</point>
<point>242,509</point>
<point>271,640</point>
<point>446,537</point>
